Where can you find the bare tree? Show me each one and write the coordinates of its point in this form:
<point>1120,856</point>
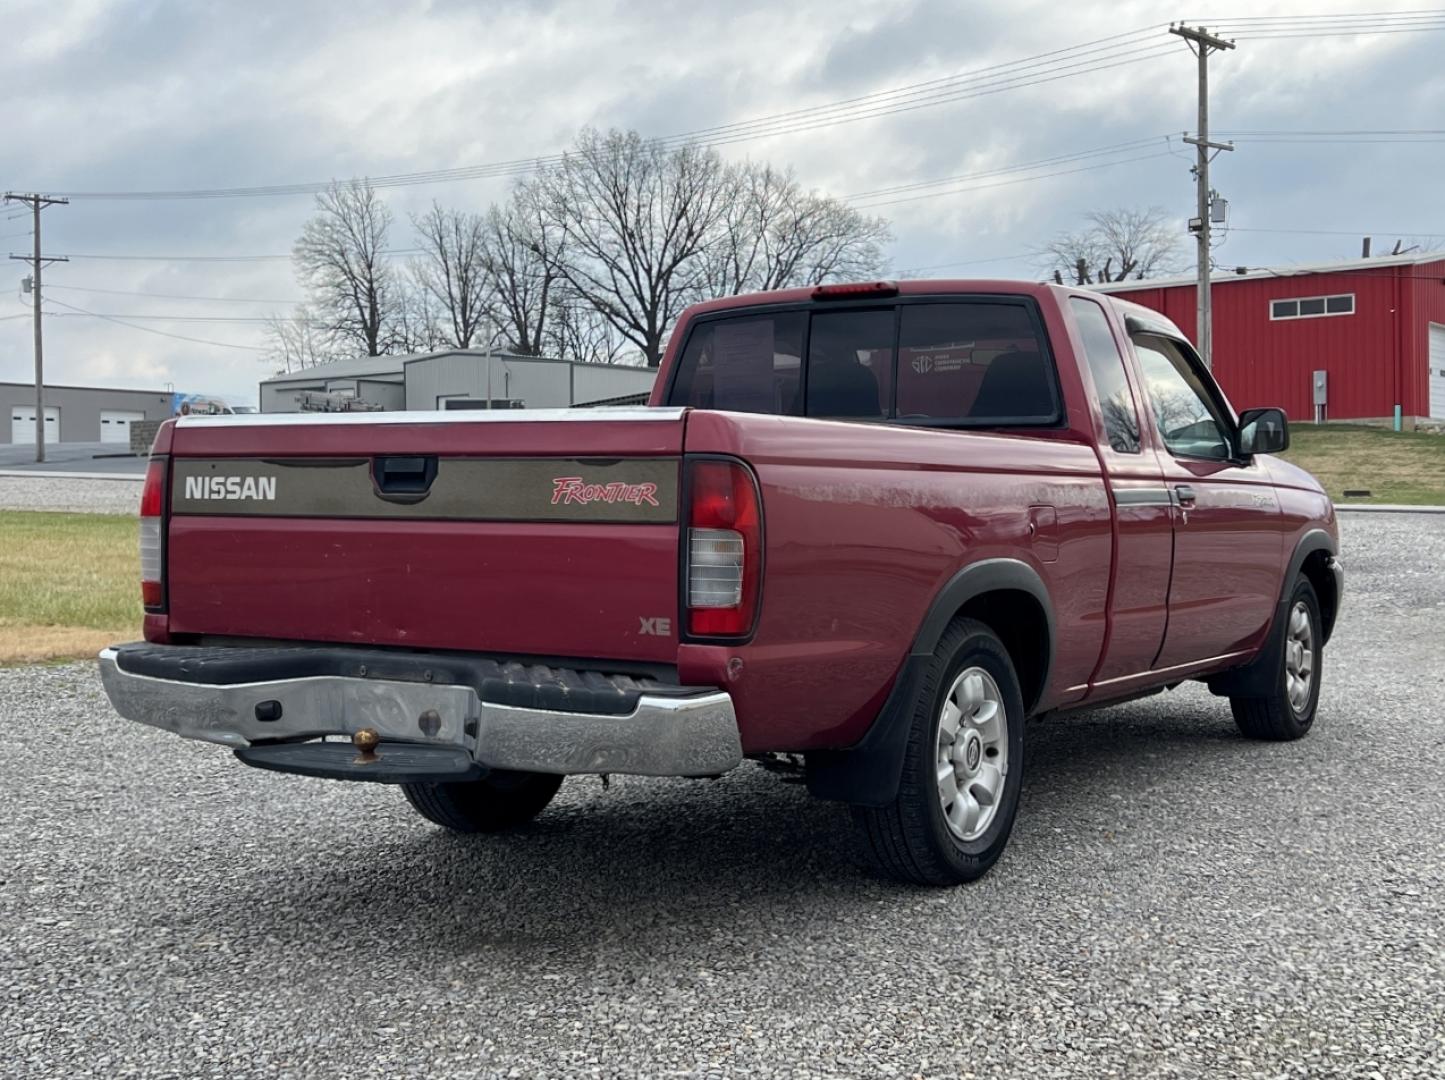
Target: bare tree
<point>339,260</point>
<point>1115,245</point>
<point>298,341</point>
<point>453,269</point>
<point>636,217</point>
<point>777,235</point>
<point>578,331</point>
<point>419,322</point>
<point>521,251</point>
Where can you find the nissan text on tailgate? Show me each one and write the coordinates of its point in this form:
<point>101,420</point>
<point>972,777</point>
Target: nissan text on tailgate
<point>864,531</point>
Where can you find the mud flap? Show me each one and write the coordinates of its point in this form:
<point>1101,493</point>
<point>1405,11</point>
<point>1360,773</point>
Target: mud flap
<point>868,773</point>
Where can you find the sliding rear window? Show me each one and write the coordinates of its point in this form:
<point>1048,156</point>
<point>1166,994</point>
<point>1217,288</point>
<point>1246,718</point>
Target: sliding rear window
<point>747,363</point>
<point>975,362</point>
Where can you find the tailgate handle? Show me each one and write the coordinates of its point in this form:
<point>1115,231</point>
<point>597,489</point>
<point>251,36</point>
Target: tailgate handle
<point>403,479</point>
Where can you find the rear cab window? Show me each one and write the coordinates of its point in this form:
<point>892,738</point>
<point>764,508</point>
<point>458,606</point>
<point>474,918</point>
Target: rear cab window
<point>747,363</point>
<point>964,361</point>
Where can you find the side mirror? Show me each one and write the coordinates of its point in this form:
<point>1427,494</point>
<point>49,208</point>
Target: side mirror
<point>1263,431</point>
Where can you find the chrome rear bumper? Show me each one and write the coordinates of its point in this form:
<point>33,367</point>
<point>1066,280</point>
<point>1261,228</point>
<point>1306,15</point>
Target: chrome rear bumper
<point>693,734</point>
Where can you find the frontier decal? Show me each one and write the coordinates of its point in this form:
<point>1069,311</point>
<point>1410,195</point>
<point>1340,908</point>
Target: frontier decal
<point>573,489</point>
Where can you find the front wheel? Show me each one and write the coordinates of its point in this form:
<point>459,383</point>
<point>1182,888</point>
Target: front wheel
<point>498,801</point>
<point>1288,711</point>
<point>962,769</point>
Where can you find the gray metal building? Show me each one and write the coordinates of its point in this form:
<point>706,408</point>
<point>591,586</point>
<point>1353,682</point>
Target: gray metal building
<point>78,413</point>
<point>458,379</point>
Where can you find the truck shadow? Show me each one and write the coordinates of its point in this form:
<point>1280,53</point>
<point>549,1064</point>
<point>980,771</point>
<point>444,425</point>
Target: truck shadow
<point>655,858</point>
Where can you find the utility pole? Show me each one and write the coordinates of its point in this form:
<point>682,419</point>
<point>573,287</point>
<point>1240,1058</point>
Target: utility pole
<point>1203,43</point>
<point>37,203</point>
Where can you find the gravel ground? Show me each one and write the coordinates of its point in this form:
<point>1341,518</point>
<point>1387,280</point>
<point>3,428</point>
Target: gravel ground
<point>1175,902</point>
<point>81,496</point>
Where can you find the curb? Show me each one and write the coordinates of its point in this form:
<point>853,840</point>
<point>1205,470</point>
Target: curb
<point>1388,508</point>
<point>32,474</point>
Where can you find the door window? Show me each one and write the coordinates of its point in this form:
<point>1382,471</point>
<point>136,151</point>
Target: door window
<point>1190,422</point>
<point>1106,365</point>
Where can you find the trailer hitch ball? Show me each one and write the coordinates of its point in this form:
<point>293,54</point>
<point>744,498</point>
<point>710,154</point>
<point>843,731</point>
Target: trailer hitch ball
<point>366,741</point>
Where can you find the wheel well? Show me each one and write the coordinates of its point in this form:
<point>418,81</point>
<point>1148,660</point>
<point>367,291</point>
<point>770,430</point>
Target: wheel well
<point>1316,568</point>
<point>1023,627</point>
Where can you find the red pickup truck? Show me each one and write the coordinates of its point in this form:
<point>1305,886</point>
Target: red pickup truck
<point>861,530</point>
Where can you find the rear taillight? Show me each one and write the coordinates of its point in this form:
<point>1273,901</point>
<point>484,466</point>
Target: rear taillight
<point>152,535</point>
<point>724,549</point>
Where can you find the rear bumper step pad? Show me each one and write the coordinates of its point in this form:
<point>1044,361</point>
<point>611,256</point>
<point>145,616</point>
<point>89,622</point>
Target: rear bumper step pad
<point>392,763</point>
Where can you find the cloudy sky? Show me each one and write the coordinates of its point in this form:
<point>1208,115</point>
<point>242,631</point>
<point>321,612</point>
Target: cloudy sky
<point>154,96</point>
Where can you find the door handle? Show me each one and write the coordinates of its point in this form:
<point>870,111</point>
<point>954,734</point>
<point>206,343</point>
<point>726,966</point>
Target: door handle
<point>403,479</point>
<point>1185,495</point>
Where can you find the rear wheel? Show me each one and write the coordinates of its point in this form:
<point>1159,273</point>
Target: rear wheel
<point>498,801</point>
<point>1289,710</point>
<point>962,769</point>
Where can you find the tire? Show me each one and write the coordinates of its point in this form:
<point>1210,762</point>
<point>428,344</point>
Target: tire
<point>498,801</point>
<point>919,838</point>
<point>1289,711</point>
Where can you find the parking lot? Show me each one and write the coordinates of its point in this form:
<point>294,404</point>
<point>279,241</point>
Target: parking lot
<point>1175,902</point>
<point>77,457</point>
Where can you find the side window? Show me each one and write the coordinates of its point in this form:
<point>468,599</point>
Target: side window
<point>1189,422</point>
<point>743,364</point>
<point>1106,365</point>
<point>976,361</point>
<point>850,364</point>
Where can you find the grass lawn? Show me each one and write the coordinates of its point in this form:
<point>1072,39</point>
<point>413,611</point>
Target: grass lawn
<point>1394,467</point>
<point>69,584</point>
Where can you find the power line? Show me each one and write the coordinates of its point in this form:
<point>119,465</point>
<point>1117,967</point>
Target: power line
<point>159,333</point>
<point>1009,182</point>
<point>1341,26</point>
<point>1263,28</point>
<point>1357,18</point>
<point>1355,141</point>
<point>1343,22</point>
<point>1089,57</point>
<point>969,262</point>
<point>1057,159</point>
<point>1329,33</point>
<point>174,296</point>
<point>1341,232</point>
<point>213,258</point>
<point>177,258</point>
<point>169,318</point>
<point>1333,131</point>
<point>1280,135</point>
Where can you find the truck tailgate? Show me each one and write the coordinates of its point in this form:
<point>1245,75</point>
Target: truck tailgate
<point>533,533</point>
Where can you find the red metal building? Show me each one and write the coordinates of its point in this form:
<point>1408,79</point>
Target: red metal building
<point>1376,327</point>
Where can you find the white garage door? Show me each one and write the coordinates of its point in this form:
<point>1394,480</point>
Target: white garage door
<point>115,424</point>
<point>1437,372</point>
<point>22,424</point>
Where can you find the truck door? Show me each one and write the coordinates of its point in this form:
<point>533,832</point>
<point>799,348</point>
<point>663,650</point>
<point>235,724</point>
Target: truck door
<point>1144,537</point>
<point>1227,526</point>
